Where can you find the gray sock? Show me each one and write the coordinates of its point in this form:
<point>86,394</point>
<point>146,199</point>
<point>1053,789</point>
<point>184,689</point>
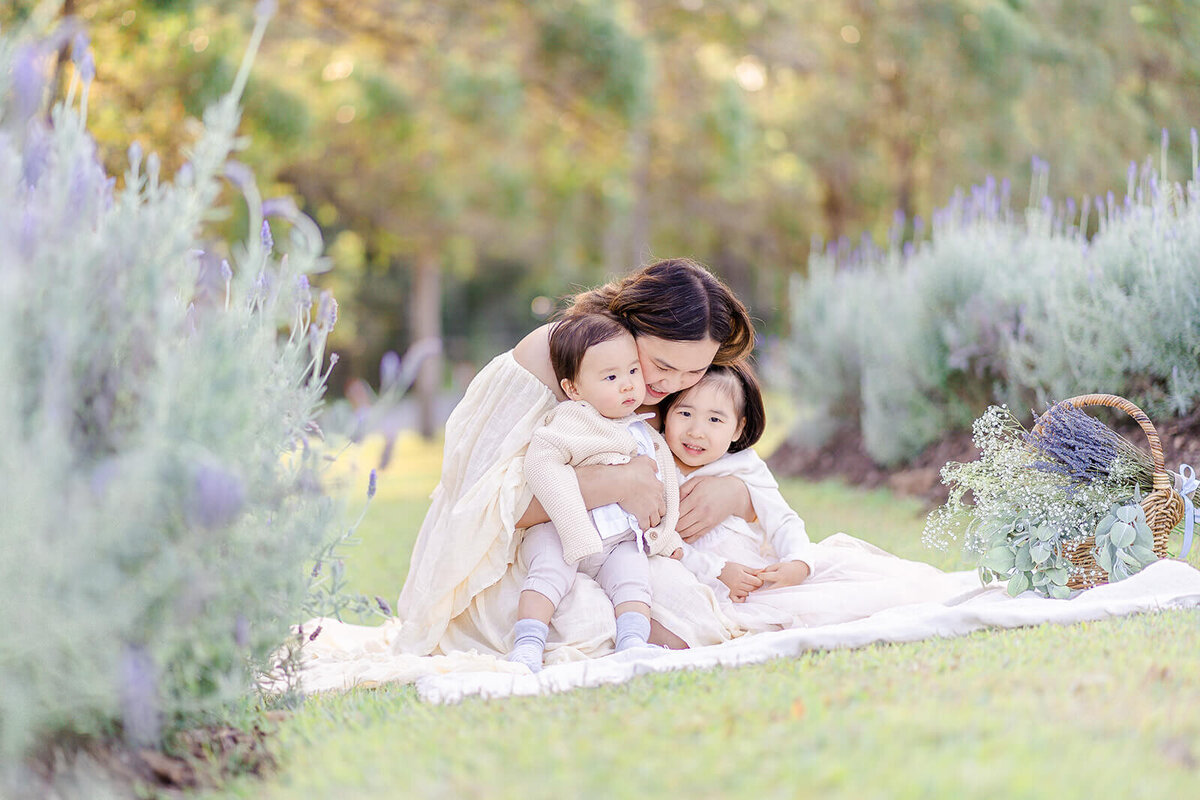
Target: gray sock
<point>633,630</point>
<point>529,643</point>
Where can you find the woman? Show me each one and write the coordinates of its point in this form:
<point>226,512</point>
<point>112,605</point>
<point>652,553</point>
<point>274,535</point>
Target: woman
<point>464,580</point>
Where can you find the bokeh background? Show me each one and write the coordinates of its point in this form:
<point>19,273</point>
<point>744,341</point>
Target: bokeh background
<point>471,163</point>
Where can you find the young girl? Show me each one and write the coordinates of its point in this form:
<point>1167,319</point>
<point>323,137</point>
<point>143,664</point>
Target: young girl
<point>767,573</point>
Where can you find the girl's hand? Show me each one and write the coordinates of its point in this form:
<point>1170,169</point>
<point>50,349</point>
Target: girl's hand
<point>740,579</point>
<point>705,502</point>
<point>784,573</point>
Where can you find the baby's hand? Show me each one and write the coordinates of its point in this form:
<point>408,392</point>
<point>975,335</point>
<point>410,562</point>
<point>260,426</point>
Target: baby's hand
<point>740,579</point>
<point>784,573</point>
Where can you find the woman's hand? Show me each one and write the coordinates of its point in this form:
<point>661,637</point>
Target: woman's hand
<point>740,579</point>
<point>635,486</point>
<point>643,491</point>
<point>784,573</point>
<point>705,502</point>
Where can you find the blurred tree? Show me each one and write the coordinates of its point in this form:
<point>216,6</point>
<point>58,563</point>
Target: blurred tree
<point>464,159</point>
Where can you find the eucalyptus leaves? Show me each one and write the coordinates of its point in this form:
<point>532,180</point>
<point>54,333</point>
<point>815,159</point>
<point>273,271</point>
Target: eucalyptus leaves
<point>1026,554</point>
<point>1124,541</point>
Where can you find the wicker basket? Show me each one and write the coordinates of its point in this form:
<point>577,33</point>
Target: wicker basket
<point>1163,505</point>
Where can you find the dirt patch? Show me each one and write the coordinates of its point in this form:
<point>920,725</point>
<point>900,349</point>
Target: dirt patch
<point>845,457</point>
<point>199,759</point>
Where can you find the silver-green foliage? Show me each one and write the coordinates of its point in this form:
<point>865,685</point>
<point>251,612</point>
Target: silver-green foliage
<point>1124,542</point>
<point>1025,553</point>
<point>160,497</point>
<point>1003,307</point>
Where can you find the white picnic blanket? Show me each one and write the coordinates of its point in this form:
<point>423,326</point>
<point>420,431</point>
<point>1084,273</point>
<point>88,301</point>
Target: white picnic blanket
<point>1163,585</point>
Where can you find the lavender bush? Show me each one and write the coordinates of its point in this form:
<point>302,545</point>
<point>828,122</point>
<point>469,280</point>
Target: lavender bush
<point>998,306</point>
<point>162,495</point>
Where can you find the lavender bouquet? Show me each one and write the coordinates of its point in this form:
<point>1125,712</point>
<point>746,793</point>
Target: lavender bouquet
<point>1033,493</point>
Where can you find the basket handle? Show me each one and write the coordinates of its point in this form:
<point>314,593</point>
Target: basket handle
<point>1161,479</point>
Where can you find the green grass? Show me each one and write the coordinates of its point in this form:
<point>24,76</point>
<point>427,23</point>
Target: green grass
<point>1099,709</point>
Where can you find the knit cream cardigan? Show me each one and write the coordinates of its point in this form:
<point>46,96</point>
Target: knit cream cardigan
<point>577,435</point>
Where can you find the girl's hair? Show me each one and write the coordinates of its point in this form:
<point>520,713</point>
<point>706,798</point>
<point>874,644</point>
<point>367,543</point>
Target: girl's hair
<point>574,334</point>
<point>679,300</point>
<point>739,382</point>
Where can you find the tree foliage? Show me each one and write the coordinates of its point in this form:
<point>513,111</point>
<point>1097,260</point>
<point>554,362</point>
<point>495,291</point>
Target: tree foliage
<point>523,148</point>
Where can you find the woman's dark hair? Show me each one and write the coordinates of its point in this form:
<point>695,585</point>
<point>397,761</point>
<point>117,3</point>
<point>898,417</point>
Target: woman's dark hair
<point>575,333</point>
<point>679,300</point>
<point>740,382</point>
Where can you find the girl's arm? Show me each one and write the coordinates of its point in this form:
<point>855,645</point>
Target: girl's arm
<point>702,563</point>
<point>783,526</point>
<point>786,533</point>
<point>634,486</point>
<point>741,580</point>
<point>705,502</point>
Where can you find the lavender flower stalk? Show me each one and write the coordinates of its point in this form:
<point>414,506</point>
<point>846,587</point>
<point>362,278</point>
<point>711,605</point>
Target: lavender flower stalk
<point>1080,448</point>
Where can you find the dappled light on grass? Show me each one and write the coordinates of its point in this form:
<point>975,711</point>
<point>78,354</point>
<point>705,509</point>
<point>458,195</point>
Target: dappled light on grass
<point>378,564</point>
<point>411,472</point>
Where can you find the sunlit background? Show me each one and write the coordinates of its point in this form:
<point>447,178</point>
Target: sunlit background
<point>471,163</point>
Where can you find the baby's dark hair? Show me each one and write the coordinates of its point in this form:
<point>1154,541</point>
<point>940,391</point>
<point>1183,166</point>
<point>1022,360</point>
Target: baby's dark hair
<point>574,333</point>
<point>739,382</point>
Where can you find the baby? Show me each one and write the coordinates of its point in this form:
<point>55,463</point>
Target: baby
<point>595,360</point>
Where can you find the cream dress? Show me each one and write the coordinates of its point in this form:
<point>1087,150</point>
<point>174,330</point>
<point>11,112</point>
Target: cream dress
<point>459,602</point>
<point>850,578</point>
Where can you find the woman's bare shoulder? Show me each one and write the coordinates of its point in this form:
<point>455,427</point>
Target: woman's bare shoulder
<point>533,353</point>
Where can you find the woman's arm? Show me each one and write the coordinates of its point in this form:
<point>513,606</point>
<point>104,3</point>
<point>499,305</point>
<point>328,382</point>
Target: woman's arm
<point>705,502</point>
<point>634,486</point>
<point>533,353</point>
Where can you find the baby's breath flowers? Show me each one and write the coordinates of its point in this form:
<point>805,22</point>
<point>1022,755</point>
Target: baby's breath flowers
<point>1030,492</point>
